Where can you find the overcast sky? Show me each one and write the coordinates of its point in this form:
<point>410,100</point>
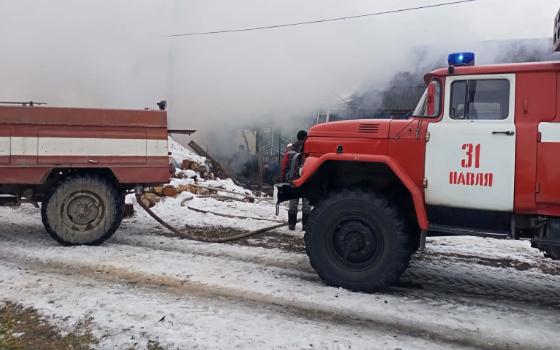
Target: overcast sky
<point>116,53</point>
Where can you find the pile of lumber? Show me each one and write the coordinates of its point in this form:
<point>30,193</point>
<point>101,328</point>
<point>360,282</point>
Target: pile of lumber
<point>210,169</point>
<point>153,195</point>
<point>216,166</point>
<point>196,171</point>
<point>201,169</point>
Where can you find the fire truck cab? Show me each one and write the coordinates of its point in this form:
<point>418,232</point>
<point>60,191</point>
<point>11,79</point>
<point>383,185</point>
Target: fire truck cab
<point>480,156</point>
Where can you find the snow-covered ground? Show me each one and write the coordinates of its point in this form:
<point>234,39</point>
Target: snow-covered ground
<point>262,293</point>
<point>180,153</point>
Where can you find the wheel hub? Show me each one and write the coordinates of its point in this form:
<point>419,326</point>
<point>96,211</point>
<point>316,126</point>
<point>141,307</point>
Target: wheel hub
<point>355,243</point>
<point>83,211</point>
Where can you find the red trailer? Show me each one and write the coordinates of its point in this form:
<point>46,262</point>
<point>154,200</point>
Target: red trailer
<point>78,163</point>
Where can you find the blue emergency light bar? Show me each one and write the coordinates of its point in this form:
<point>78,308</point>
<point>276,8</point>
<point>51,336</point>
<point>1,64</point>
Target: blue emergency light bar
<point>461,59</point>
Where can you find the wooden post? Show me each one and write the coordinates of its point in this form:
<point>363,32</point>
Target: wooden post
<point>219,170</point>
<point>259,155</point>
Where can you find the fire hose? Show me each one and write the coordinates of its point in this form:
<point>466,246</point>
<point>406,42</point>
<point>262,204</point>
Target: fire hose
<point>193,237</point>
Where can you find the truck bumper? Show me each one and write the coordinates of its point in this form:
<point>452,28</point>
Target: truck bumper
<point>286,191</point>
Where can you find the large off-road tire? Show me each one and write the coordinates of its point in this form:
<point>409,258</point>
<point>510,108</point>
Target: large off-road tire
<point>552,253</point>
<point>552,233</point>
<point>357,241</point>
<point>83,210</point>
<point>414,236</point>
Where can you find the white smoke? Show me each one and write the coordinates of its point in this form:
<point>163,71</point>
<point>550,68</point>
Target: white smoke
<point>117,53</point>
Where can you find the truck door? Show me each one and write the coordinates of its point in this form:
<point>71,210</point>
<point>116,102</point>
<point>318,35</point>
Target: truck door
<point>548,171</point>
<point>470,155</point>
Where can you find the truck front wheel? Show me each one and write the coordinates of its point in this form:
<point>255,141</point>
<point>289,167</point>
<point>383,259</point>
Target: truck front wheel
<point>357,241</point>
<point>82,210</point>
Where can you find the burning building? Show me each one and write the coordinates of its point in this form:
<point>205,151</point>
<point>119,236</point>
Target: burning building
<point>399,97</point>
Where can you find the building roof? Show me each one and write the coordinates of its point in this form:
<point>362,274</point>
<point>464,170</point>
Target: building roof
<point>401,99</point>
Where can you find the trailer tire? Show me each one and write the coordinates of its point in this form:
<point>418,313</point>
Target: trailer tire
<point>83,210</point>
<point>357,240</point>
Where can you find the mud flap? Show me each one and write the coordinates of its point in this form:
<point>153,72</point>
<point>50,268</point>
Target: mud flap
<point>286,191</point>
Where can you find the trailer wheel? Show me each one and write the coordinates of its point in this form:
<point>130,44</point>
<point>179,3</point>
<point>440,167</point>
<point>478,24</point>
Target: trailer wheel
<point>357,241</point>
<point>83,210</point>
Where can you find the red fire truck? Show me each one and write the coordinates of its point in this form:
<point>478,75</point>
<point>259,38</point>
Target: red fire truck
<point>79,163</point>
<point>480,156</point>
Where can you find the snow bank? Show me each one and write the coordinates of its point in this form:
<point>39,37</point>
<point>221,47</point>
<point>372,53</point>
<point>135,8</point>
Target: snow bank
<point>180,153</point>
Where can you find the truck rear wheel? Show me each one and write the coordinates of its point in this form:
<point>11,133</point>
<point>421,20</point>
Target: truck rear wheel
<point>357,241</point>
<point>553,253</point>
<point>83,210</point>
<point>552,234</point>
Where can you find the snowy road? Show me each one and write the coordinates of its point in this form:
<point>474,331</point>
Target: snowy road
<point>262,293</point>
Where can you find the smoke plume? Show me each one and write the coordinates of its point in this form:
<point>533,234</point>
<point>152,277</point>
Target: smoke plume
<point>117,53</point>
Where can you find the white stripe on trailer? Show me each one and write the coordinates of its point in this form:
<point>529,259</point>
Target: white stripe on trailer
<point>62,146</point>
<point>4,146</point>
<point>23,146</point>
<point>550,132</point>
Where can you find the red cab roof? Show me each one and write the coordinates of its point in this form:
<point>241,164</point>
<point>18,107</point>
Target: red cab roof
<point>495,69</point>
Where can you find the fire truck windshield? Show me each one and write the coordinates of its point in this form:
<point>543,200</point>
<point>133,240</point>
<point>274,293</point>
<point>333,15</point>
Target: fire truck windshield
<point>430,102</point>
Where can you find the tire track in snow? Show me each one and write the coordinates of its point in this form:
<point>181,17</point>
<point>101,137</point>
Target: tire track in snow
<point>469,279</point>
<point>452,337</point>
<point>129,314</point>
<point>421,273</point>
<point>427,279</point>
<point>25,249</point>
<point>418,273</point>
<point>282,266</point>
<point>268,257</point>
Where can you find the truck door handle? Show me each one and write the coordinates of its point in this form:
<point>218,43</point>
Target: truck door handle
<point>507,133</point>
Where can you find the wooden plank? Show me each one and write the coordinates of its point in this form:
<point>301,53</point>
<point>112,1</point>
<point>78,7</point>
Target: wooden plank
<point>219,170</point>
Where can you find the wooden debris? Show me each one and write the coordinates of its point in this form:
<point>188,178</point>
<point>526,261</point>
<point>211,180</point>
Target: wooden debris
<point>158,190</point>
<point>219,170</point>
<point>169,191</point>
<point>230,216</point>
<point>194,166</point>
<point>186,165</point>
<point>184,188</point>
<point>147,202</point>
<point>150,199</point>
<point>223,198</point>
<point>202,191</point>
<point>217,189</point>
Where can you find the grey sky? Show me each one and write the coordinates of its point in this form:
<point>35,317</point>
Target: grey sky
<point>115,53</point>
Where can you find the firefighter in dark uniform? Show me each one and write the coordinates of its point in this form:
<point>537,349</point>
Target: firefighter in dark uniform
<point>287,163</point>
